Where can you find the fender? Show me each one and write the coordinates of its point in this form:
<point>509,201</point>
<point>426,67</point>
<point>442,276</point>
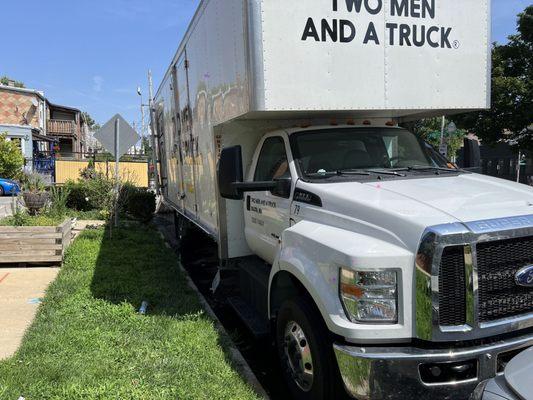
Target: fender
<point>314,253</point>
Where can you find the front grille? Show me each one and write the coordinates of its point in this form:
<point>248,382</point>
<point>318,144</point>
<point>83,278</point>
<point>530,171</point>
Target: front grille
<point>452,287</point>
<point>498,262</point>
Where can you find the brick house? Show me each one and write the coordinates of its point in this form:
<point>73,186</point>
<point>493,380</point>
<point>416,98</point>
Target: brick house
<point>38,125</point>
<point>23,118</point>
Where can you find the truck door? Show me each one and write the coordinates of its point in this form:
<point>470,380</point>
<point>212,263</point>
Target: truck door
<point>267,213</point>
<point>187,146</point>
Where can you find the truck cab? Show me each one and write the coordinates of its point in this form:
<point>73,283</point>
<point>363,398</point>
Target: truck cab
<point>411,269</point>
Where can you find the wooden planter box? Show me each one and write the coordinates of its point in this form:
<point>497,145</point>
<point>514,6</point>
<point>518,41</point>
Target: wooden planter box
<point>34,244</point>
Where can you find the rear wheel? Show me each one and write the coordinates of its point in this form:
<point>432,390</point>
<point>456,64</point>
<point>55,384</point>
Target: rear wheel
<point>1,191</point>
<point>305,351</point>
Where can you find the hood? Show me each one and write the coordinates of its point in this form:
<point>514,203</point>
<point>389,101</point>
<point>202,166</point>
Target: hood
<point>8,181</point>
<point>400,210</point>
<point>468,197</point>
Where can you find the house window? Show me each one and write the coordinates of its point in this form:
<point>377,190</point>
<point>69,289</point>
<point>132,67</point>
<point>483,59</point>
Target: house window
<point>17,142</point>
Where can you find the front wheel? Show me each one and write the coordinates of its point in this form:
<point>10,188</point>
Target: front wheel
<point>305,352</point>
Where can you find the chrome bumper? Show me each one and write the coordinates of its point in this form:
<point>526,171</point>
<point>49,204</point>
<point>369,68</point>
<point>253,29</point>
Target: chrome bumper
<point>394,372</point>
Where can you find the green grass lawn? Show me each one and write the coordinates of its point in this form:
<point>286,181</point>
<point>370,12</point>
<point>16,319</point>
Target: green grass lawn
<point>89,342</point>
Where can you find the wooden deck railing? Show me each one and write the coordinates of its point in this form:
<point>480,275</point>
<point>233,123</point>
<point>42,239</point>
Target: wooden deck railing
<point>62,128</point>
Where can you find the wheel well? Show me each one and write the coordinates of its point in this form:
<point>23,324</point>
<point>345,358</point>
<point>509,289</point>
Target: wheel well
<point>285,286</point>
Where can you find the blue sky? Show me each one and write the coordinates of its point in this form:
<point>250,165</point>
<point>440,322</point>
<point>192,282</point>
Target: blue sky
<point>93,54</point>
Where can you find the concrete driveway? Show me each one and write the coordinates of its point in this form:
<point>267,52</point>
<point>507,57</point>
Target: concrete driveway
<point>5,206</point>
<point>21,292</point>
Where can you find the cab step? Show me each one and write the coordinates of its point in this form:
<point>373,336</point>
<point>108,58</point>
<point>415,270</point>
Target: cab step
<point>258,326</point>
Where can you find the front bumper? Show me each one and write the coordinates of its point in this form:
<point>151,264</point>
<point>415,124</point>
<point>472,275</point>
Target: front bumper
<point>394,372</point>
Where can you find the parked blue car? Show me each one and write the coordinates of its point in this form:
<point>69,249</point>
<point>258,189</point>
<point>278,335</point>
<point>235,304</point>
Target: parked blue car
<point>9,187</point>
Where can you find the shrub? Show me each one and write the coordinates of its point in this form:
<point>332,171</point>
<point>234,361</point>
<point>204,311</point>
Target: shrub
<point>127,190</point>
<point>78,196</point>
<point>58,201</point>
<point>101,192</point>
<point>33,182</point>
<point>11,159</point>
<point>141,205</point>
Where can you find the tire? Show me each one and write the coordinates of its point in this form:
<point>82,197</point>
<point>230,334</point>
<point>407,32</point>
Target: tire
<point>2,193</point>
<point>299,314</point>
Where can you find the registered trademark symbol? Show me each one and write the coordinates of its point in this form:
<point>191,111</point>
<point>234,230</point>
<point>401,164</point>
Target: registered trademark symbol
<point>456,44</point>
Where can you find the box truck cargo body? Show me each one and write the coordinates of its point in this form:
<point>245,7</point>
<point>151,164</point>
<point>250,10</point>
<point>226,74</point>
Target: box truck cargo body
<point>376,262</point>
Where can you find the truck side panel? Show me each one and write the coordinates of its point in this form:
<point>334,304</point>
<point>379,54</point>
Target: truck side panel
<point>212,88</point>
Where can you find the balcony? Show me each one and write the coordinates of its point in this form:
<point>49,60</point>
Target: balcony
<point>56,127</point>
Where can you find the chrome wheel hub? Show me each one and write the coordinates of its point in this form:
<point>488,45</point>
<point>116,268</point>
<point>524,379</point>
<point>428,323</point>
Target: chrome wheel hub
<point>298,356</point>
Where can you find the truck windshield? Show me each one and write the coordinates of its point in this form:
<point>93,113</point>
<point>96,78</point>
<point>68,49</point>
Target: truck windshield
<point>363,151</point>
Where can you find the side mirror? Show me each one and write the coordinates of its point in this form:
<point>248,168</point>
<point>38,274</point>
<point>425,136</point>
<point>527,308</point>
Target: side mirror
<point>230,172</point>
<point>230,176</point>
<point>283,187</point>
<point>472,155</point>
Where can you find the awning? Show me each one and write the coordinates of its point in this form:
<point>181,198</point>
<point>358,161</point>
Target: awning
<point>42,138</point>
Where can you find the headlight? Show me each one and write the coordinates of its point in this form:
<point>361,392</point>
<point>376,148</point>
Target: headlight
<point>370,296</point>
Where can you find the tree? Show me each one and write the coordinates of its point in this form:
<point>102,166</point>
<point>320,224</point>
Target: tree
<point>11,158</point>
<point>512,91</point>
<point>91,123</point>
<point>146,146</point>
<point>4,80</point>
<point>430,129</point>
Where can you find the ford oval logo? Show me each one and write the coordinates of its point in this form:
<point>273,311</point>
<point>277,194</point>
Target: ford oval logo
<point>524,277</point>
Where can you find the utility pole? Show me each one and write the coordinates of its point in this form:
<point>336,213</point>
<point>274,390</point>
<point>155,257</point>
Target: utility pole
<point>143,126</point>
<point>134,125</point>
<point>519,166</point>
<point>117,161</point>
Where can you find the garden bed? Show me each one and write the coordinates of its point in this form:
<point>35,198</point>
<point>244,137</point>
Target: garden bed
<point>34,244</point>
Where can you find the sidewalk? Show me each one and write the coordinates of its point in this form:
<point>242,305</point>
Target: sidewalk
<point>21,290</point>
<point>6,208</point>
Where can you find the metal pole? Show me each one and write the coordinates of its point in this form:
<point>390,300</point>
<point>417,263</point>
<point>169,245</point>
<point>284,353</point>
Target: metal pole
<point>117,161</point>
<point>143,126</point>
<point>152,129</point>
<point>442,130</point>
<point>519,166</point>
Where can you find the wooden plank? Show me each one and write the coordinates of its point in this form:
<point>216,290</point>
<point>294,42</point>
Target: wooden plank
<point>67,236</point>
<point>27,229</point>
<point>65,225</point>
<point>30,235</point>
<point>34,253</point>
<point>28,247</point>
<point>34,244</point>
<point>29,241</point>
<point>27,258</point>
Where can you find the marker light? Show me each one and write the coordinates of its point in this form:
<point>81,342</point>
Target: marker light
<point>369,296</point>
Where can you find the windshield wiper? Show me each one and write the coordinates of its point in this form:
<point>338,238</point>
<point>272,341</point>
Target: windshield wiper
<point>430,168</point>
<point>352,172</point>
<point>385,172</point>
<point>331,174</point>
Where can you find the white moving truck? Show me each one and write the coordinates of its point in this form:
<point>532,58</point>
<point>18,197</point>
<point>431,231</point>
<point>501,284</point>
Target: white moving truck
<point>380,268</point>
